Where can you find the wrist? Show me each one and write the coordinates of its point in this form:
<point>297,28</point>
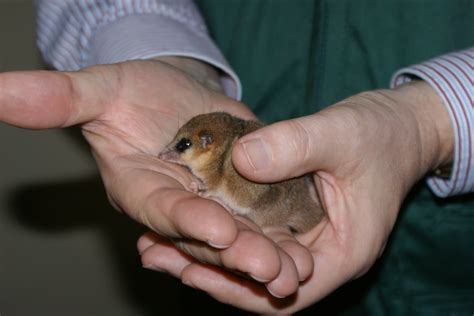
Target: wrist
<point>436,138</point>
<point>201,71</point>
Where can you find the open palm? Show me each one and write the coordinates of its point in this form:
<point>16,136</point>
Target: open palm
<point>365,152</point>
<point>128,112</point>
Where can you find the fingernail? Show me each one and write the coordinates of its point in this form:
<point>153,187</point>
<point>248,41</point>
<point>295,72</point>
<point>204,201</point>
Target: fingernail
<point>188,283</point>
<point>258,279</point>
<point>217,246</point>
<point>150,266</point>
<point>273,294</point>
<point>258,153</point>
<point>143,247</point>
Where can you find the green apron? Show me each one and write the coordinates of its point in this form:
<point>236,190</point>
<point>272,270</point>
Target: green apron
<point>295,57</point>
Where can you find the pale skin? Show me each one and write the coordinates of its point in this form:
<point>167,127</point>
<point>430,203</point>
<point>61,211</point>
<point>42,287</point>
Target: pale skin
<point>365,152</point>
<point>128,113</point>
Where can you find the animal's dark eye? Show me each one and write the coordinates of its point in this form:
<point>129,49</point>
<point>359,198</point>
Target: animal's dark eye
<point>183,144</point>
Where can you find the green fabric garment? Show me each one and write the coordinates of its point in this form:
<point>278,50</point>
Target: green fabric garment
<point>295,57</point>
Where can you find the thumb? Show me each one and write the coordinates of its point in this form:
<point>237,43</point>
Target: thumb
<point>288,149</point>
<point>48,99</point>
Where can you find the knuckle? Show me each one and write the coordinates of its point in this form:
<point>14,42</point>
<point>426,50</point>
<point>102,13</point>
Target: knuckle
<point>300,141</point>
<point>261,255</point>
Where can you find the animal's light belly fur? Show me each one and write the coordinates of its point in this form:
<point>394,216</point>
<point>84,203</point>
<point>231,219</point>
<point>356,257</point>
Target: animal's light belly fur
<point>226,199</point>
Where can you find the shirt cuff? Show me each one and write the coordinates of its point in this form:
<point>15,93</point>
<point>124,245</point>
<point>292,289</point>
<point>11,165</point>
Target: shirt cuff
<point>451,76</point>
<point>144,36</point>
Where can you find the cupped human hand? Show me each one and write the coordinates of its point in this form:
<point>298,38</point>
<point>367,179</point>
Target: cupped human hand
<point>128,112</point>
<point>365,152</point>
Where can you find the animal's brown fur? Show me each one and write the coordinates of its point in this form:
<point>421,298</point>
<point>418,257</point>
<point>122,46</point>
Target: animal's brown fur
<point>291,203</point>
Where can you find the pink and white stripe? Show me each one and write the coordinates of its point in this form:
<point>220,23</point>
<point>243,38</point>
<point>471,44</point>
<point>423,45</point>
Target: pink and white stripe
<point>452,77</point>
<point>77,33</point>
<point>73,34</point>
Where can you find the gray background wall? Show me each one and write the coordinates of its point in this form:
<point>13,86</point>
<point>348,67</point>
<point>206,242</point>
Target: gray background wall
<point>63,250</point>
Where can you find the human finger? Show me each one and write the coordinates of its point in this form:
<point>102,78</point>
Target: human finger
<point>300,255</point>
<point>291,148</point>
<point>163,256</point>
<point>231,289</point>
<point>49,99</point>
<point>251,253</point>
<point>161,203</point>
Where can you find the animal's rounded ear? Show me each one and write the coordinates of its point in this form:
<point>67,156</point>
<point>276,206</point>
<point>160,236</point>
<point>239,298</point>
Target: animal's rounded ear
<point>206,139</point>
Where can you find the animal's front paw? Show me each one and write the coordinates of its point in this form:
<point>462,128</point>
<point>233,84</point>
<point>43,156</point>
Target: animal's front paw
<point>197,187</point>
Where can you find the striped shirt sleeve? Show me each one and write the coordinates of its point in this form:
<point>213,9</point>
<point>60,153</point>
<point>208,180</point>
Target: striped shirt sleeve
<point>452,77</point>
<point>72,34</point>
